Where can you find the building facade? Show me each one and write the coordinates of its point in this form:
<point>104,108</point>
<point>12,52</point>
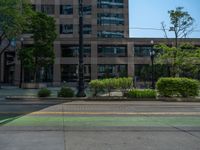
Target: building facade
<point>106,29</point>
<point>108,50</point>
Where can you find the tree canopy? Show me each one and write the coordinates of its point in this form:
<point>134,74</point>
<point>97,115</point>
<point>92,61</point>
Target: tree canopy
<point>41,53</point>
<point>13,20</point>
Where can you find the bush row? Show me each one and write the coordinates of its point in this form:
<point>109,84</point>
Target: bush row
<point>123,84</point>
<point>138,93</point>
<point>183,87</point>
<point>63,92</point>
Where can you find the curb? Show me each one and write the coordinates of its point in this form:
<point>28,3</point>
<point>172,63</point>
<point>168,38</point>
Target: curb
<point>104,99</point>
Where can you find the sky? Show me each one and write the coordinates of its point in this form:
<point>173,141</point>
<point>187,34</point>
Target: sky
<point>150,14</point>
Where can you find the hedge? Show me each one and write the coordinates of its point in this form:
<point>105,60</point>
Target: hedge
<point>123,84</point>
<point>138,93</point>
<point>181,87</point>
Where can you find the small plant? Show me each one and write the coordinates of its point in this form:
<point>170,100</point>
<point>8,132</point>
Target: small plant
<point>181,87</point>
<point>137,93</point>
<point>110,84</point>
<point>96,86</point>
<point>44,92</point>
<point>66,92</point>
<point>125,84</point>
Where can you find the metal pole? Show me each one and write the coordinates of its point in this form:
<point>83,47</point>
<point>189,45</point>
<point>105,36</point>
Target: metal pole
<point>152,71</point>
<point>0,71</point>
<point>81,92</point>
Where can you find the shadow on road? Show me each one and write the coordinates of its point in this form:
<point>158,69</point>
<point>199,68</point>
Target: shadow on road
<point>12,110</point>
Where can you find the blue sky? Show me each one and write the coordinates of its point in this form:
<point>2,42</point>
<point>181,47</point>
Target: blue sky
<point>150,14</point>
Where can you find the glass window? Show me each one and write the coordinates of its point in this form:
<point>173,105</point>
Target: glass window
<point>110,34</point>
<point>73,50</point>
<point>66,29</point>
<point>142,50</point>
<point>87,10</point>
<point>66,9</point>
<point>111,71</point>
<point>110,3</point>
<point>69,73</point>
<point>87,29</point>
<point>112,51</point>
<point>110,19</point>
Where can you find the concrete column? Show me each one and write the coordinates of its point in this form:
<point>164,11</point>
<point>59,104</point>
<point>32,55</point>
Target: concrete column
<point>130,67</point>
<point>57,65</point>
<point>17,72</point>
<point>94,57</point>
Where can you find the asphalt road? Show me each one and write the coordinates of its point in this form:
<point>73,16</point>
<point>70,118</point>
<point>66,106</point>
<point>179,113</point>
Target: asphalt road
<point>99,126</point>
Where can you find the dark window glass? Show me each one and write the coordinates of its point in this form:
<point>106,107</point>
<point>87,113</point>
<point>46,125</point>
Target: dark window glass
<point>110,34</point>
<point>73,50</point>
<point>87,10</point>
<point>110,19</point>
<point>142,50</point>
<point>66,9</point>
<point>66,29</point>
<point>111,71</point>
<point>112,51</point>
<point>69,73</point>
<point>87,29</point>
<point>110,3</point>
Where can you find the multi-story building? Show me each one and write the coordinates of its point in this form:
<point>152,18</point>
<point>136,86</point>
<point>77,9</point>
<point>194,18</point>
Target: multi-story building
<point>108,50</point>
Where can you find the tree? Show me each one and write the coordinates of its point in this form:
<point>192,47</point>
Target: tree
<point>186,61</point>
<point>13,20</point>
<point>44,34</point>
<point>181,23</point>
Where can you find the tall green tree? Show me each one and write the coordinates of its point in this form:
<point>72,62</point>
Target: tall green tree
<point>43,29</point>
<point>14,15</point>
<point>186,62</point>
<point>13,20</point>
<point>181,24</point>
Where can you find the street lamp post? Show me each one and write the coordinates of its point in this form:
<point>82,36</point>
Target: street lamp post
<point>152,55</point>
<point>81,92</point>
<point>21,65</point>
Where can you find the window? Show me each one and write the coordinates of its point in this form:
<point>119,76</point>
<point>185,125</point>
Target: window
<point>110,4</point>
<point>66,29</point>
<point>110,71</point>
<point>69,73</point>
<point>142,50</point>
<point>87,29</point>
<point>112,51</point>
<point>73,50</point>
<point>110,34</point>
<point>110,19</point>
<point>66,9</point>
<point>87,10</point>
<point>48,9</point>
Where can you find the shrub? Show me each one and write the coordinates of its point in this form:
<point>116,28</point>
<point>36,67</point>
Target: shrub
<point>44,92</point>
<point>97,86</point>
<point>110,84</point>
<point>66,92</point>
<point>137,93</point>
<point>125,84</point>
<point>183,87</point>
